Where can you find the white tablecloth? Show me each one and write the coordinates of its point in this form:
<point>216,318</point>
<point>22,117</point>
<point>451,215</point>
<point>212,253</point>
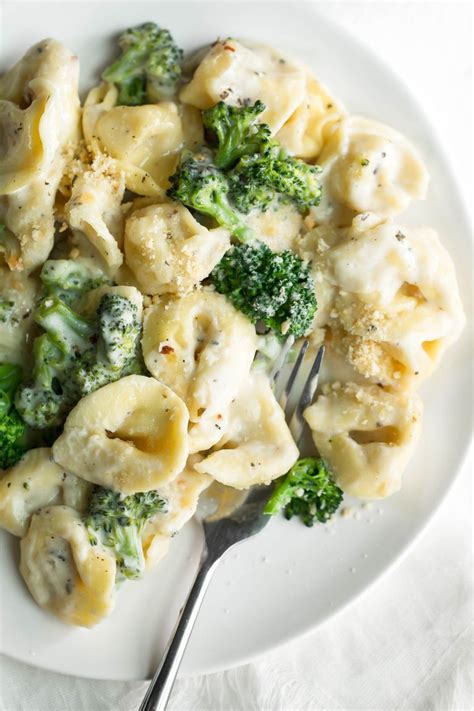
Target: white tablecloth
<point>407,643</point>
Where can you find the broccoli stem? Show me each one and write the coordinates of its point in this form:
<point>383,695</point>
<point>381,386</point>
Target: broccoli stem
<point>226,216</point>
<point>281,496</point>
<point>129,551</point>
<point>72,333</point>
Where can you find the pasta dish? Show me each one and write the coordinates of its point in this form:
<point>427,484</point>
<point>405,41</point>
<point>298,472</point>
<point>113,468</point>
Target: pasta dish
<point>160,243</point>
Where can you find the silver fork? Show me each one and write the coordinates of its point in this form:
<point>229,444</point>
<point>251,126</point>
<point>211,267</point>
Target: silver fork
<point>221,534</point>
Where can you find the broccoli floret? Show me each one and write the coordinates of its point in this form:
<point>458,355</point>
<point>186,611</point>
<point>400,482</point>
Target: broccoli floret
<point>297,181</point>
<point>117,353</point>
<point>201,186</point>
<point>236,130</point>
<point>12,432</point>
<point>149,67</point>
<point>68,279</point>
<point>45,401</point>
<point>117,522</point>
<point>308,491</point>
<point>77,356</point>
<point>119,329</point>
<point>12,427</point>
<point>274,288</point>
<point>250,184</point>
<point>72,333</point>
<point>7,309</point>
<point>258,179</point>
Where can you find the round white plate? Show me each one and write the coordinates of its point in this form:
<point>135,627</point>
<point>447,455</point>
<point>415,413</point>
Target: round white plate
<point>289,579</point>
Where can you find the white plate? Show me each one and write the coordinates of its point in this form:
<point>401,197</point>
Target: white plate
<point>289,579</point>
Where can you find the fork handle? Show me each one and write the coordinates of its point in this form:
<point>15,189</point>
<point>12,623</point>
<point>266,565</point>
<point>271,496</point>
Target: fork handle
<point>158,693</point>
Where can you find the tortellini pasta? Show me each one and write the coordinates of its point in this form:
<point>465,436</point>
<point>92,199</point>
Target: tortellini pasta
<point>256,446</point>
<point>239,74</point>
<point>182,496</point>
<point>64,572</point>
<point>36,481</point>
<point>18,295</point>
<point>144,140</point>
<point>94,208</point>
<point>304,133</point>
<point>129,436</point>
<point>203,348</point>
<point>169,251</point>
<point>279,227</point>
<point>366,434</point>
<point>368,167</point>
<point>39,118</point>
<point>393,306</point>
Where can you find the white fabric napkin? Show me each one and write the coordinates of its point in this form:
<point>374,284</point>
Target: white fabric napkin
<point>407,644</point>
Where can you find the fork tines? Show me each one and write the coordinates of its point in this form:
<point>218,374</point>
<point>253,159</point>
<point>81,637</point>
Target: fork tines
<point>283,390</point>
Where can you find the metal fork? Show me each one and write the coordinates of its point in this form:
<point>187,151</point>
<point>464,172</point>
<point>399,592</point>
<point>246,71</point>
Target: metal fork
<point>224,533</point>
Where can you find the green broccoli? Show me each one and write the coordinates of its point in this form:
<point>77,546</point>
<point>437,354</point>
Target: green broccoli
<point>117,522</point>
<point>72,333</point>
<point>274,288</point>
<point>12,427</point>
<point>250,186</point>
<point>236,130</point>
<point>149,67</point>
<point>77,356</point>
<point>117,352</point>
<point>201,186</point>
<point>7,309</point>
<point>45,400</point>
<point>308,491</point>
<point>297,181</point>
<point>68,279</point>
<point>258,179</point>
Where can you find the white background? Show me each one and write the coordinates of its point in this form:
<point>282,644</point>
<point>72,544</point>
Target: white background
<point>407,643</point>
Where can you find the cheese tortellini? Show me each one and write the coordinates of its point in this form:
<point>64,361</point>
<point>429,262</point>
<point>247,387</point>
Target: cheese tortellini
<point>144,140</point>
<point>64,572</point>
<point>367,435</point>
<point>391,299</point>
<point>279,227</point>
<point>39,118</point>
<point>202,348</point>
<point>304,133</point>
<point>129,436</point>
<point>182,496</point>
<point>169,251</point>
<point>34,482</point>
<point>368,167</point>
<point>94,208</point>
<point>256,445</point>
<point>240,74</point>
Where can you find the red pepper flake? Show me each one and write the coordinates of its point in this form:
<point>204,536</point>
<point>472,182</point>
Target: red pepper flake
<point>166,349</point>
<point>219,417</point>
<point>231,49</point>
